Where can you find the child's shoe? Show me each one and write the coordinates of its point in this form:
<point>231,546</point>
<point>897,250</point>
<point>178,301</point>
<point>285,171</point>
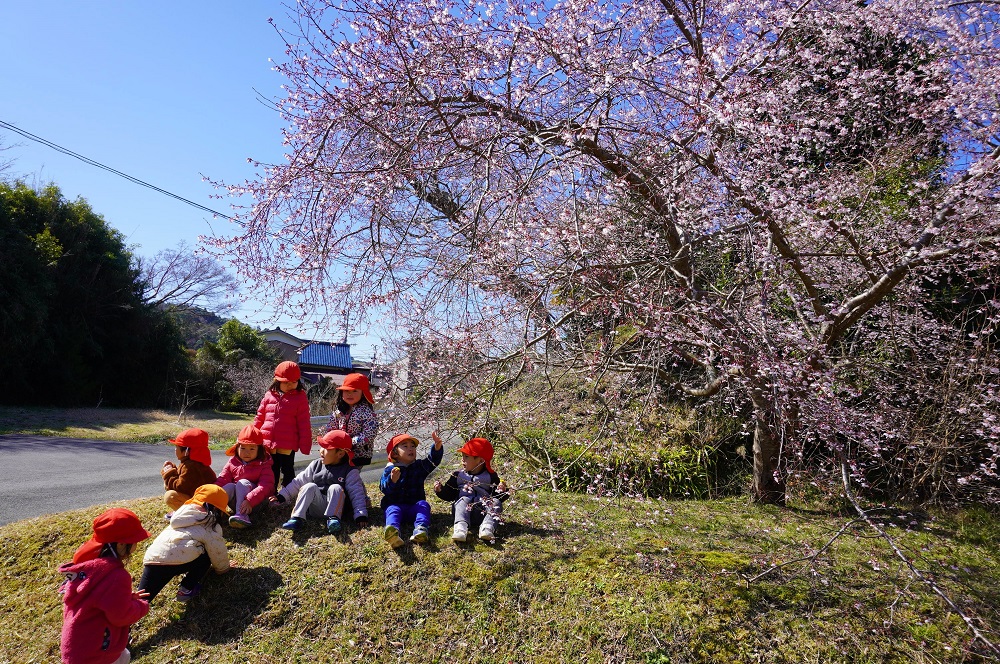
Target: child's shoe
<point>391,535</point>
<point>419,535</point>
<point>460,532</point>
<point>239,521</point>
<point>168,516</point>
<point>486,533</point>
<point>332,525</point>
<point>185,595</point>
<point>293,524</point>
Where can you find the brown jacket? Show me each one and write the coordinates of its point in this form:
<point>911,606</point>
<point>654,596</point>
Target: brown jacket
<point>188,476</point>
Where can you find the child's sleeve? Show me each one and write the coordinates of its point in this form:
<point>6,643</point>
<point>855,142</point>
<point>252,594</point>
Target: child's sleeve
<point>365,440</point>
<point>385,484</point>
<point>215,547</point>
<point>433,459</point>
<point>117,602</point>
<point>356,490</point>
<point>449,490</point>
<point>226,476</point>
<point>258,421</point>
<point>291,490</point>
<point>304,425</point>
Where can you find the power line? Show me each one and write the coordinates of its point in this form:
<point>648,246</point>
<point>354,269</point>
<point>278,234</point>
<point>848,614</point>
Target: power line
<point>88,160</point>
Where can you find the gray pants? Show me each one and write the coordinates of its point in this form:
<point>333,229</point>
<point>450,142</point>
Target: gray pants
<point>472,511</point>
<point>312,502</point>
<point>237,492</point>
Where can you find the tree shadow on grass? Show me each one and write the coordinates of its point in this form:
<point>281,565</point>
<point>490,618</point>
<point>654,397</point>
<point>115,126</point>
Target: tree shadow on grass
<point>227,605</point>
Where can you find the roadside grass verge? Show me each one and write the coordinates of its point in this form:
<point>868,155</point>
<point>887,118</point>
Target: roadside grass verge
<point>573,578</point>
<point>130,425</point>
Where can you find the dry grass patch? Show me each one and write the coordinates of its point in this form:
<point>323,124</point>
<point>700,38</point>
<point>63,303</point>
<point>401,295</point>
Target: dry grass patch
<point>132,425</point>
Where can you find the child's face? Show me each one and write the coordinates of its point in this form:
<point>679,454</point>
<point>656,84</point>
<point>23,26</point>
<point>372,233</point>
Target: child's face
<point>473,464</point>
<point>180,452</point>
<point>332,456</point>
<point>405,453</point>
<point>351,397</point>
<point>287,385</point>
<point>246,452</point>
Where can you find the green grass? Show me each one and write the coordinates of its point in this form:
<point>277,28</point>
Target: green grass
<point>131,425</point>
<point>573,578</point>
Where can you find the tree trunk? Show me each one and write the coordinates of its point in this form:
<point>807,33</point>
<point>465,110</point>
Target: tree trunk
<point>768,485</point>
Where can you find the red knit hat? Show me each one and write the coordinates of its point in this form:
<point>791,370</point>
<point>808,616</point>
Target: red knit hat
<point>196,441</point>
<point>396,440</point>
<point>337,440</point>
<point>248,435</point>
<point>356,381</point>
<point>288,372</point>
<point>479,447</point>
<point>116,525</point>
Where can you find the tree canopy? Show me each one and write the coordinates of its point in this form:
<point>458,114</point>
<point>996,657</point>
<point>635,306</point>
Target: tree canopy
<point>74,326</point>
<point>739,201</point>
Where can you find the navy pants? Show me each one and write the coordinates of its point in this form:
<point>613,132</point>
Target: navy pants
<point>154,577</point>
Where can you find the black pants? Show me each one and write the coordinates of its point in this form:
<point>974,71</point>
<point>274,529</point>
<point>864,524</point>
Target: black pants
<point>283,464</point>
<point>154,577</point>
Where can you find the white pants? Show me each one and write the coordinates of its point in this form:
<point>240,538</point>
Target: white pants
<point>312,503</point>
<point>123,658</point>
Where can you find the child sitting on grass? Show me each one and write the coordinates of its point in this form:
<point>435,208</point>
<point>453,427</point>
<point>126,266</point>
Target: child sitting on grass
<point>98,603</point>
<point>321,489</point>
<point>475,490</point>
<point>189,545</point>
<point>195,469</point>
<point>248,478</point>
<point>403,485</point>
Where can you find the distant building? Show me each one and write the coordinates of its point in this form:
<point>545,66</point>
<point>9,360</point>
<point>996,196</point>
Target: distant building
<point>285,344</point>
<point>326,359</point>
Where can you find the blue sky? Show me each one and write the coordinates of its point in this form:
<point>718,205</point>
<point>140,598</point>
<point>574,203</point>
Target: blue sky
<point>165,92</point>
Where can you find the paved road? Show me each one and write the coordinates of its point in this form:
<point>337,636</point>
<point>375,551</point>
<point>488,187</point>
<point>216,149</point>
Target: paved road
<point>41,475</point>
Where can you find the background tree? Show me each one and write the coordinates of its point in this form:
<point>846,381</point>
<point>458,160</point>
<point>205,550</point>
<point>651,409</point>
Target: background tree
<point>181,279</point>
<point>72,316</point>
<point>236,370</point>
<point>737,200</point>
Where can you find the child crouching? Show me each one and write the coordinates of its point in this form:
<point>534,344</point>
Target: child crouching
<point>403,485</point>
<point>189,545</point>
<point>475,490</point>
<point>321,489</point>
<point>248,478</point>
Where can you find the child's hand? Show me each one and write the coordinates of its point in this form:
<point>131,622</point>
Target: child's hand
<point>244,507</point>
<point>394,474</point>
<point>502,487</point>
<point>437,486</point>
<point>273,500</point>
<point>437,440</point>
<point>140,594</point>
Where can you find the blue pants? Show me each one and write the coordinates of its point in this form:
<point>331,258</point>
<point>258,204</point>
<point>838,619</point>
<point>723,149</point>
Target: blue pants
<point>419,513</point>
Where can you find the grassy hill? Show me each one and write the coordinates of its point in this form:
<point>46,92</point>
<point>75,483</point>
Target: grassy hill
<point>573,578</point>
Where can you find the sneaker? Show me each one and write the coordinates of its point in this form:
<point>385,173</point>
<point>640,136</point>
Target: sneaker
<point>168,516</point>
<point>391,535</point>
<point>333,525</point>
<point>239,521</point>
<point>293,524</point>
<point>460,532</point>
<point>185,595</point>
<point>419,535</point>
<point>486,534</point>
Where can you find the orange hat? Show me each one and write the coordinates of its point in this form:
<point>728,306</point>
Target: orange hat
<point>116,525</point>
<point>337,440</point>
<point>195,440</point>
<point>248,435</point>
<point>213,494</point>
<point>396,440</point>
<point>288,372</point>
<point>479,447</point>
<point>356,381</point>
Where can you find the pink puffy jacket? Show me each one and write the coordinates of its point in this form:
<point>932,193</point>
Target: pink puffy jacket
<point>257,471</point>
<point>283,418</point>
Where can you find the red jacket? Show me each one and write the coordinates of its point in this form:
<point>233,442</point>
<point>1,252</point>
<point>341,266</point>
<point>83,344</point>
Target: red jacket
<point>98,608</point>
<point>258,471</point>
<point>283,418</point>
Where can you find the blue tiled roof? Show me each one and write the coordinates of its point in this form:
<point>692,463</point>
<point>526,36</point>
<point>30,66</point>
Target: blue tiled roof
<point>326,354</point>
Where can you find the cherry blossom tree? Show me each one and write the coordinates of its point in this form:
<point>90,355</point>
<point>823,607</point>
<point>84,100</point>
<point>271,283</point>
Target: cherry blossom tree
<point>757,201</point>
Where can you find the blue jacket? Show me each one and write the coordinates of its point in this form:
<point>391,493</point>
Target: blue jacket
<point>410,487</point>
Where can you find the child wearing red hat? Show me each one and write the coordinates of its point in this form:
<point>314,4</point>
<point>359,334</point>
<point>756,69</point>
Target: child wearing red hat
<point>99,605</point>
<point>190,545</point>
<point>355,415</point>
<point>283,420</point>
<point>195,469</point>
<point>248,477</point>
<point>403,485</point>
<point>322,488</point>
<point>475,491</point>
